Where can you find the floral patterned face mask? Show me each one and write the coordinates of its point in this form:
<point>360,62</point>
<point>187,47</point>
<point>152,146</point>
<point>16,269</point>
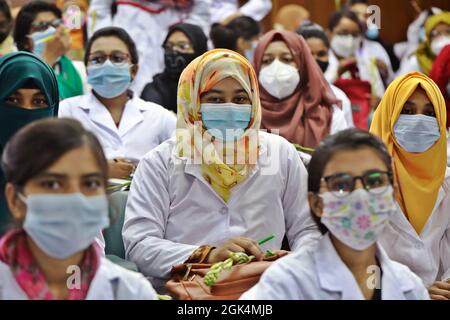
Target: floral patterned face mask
<point>359,217</point>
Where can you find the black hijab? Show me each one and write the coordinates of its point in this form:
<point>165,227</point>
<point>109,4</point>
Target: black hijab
<point>163,89</point>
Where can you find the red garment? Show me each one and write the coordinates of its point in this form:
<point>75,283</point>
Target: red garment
<point>305,116</point>
<point>440,73</point>
<point>15,253</point>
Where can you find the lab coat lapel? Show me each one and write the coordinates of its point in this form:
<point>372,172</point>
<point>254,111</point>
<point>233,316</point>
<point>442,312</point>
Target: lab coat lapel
<point>101,287</point>
<point>333,274</point>
<point>394,285</point>
<point>131,116</point>
<point>100,115</point>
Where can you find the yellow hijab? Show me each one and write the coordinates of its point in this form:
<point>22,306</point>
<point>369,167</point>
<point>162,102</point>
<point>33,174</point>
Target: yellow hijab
<point>419,175</point>
<point>424,55</point>
<point>222,173</point>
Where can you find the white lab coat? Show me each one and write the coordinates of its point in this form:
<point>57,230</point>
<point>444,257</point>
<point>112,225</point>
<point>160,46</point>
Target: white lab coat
<point>147,30</point>
<point>144,125</point>
<point>410,64</point>
<point>172,210</point>
<point>427,254</point>
<point>338,120</point>
<point>346,105</point>
<point>320,274</point>
<point>111,282</point>
<point>256,9</point>
<point>367,68</point>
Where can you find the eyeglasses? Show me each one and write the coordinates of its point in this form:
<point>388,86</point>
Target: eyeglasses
<point>374,181</point>
<point>116,57</point>
<point>179,46</point>
<point>43,25</point>
<point>436,33</point>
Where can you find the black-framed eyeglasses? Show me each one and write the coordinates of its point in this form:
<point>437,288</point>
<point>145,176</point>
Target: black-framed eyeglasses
<point>373,181</point>
<point>43,25</point>
<point>116,57</point>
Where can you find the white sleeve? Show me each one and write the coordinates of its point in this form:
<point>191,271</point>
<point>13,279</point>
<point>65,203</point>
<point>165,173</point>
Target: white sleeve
<point>256,9</point>
<point>201,15</point>
<point>338,121</point>
<point>301,230</point>
<point>170,126</point>
<point>410,64</point>
<point>346,105</point>
<point>99,15</point>
<point>64,110</point>
<point>276,283</point>
<point>146,217</point>
<point>444,248</point>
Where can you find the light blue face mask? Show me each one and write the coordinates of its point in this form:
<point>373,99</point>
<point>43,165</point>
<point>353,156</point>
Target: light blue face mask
<point>226,121</point>
<point>372,33</point>
<point>416,133</point>
<point>40,39</point>
<point>109,80</point>
<point>64,224</point>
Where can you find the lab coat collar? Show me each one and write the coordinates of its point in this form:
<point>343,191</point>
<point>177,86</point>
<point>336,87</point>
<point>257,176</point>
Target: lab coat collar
<point>98,113</point>
<point>334,275</point>
<point>195,169</point>
<point>102,287</point>
<point>399,221</point>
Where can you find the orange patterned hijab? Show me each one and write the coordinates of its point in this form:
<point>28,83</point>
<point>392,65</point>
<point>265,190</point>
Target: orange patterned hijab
<point>202,74</point>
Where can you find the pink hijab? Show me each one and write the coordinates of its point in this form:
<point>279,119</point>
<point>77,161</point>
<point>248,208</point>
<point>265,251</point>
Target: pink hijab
<point>304,117</point>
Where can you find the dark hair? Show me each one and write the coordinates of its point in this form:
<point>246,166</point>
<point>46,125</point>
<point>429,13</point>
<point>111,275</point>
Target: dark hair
<point>315,33</point>
<point>26,17</point>
<point>38,145</point>
<point>4,7</point>
<point>350,139</point>
<point>120,34</point>
<point>338,16</point>
<point>226,36</point>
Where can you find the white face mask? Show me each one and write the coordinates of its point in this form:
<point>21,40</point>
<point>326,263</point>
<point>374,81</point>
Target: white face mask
<point>279,79</point>
<point>439,43</point>
<point>345,46</point>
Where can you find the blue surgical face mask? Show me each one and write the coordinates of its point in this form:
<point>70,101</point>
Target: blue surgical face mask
<point>109,80</point>
<point>226,121</point>
<point>64,224</point>
<point>39,40</point>
<point>416,133</point>
<point>372,32</point>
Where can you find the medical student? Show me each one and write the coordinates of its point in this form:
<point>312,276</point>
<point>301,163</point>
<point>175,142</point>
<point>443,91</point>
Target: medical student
<point>437,36</point>
<point>372,38</point>
<point>148,23</point>
<point>28,92</point>
<point>222,185</point>
<point>184,43</point>
<point>351,196</point>
<point>411,122</point>
<point>58,201</point>
<point>352,56</point>
<point>318,43</point>
<point>296,99</point>
<point>39,29</point>
<point>127,126</point>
